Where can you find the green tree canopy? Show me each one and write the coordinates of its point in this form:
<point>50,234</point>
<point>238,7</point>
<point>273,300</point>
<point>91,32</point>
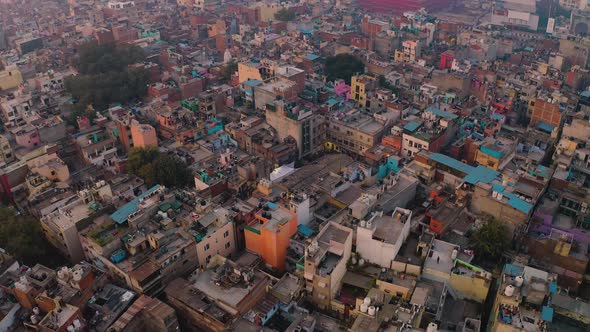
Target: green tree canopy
<point>107,58</point>
<point>285,15</point>
<point>343,66</point>
<point>22,237</point>
<point>105,77</point>
<point>157,168</point>
<point>491,240</point>
<point>230,69</point>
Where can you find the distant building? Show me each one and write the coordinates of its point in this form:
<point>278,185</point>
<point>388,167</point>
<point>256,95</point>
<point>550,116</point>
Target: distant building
<point>10,78</point>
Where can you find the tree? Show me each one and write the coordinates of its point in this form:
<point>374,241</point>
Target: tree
<point>386,85</point>
<point>105,77</point>
<point>343,66</point>
<point>285,15</point>
<point>22,237</point>
<point>230,69</point>
<point>157,168</point>
<point>490,240</point>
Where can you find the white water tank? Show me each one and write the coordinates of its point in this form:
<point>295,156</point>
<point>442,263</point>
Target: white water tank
<point>77,275</point>
<point>367,301</point>
<point>432,327</point>
<point>364,308</point>
<point>495,194</point>
<point>509,291</point>
<point>34,319</point>
<point>454,254</point>
<point>518,281</point>
<point>363,223</point>
<point>372,310</point>
<point>369,224</point>
<point>361,262</point>
<point>36,310</point>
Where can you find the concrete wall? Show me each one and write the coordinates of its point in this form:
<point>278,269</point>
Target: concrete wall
<point>217,244</point>
<point>473,288</point>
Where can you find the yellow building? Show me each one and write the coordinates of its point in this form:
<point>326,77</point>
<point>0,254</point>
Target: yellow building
<point>360,84</point>
<point>10,78</point>
<point>495,153</point>
<point>470,281</point>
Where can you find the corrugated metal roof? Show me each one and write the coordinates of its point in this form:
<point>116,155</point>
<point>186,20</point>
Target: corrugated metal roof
<point>412,126</point>
<point>441,113</point>
<point>121,215</point>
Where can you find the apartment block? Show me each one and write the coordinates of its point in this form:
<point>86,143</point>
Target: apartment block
<point>325,263</point>
<point>269,234</point>
<point>380,238</point>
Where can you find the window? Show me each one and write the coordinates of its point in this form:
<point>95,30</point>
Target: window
<point>207,260</point>
<point>207,247</point>
<point>226,234</point>
<point>227,245</point>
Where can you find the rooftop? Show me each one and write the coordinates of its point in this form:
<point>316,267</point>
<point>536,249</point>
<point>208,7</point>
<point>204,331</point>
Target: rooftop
<point>123,213</point>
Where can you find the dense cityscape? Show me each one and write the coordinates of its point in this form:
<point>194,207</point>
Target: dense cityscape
<point>294,165</point>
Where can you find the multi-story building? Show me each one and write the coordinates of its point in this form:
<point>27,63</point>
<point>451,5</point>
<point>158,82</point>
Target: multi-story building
<point>218,295</point>
<point>356,132</point>
<point>97,147</point>
<point>143,135</point>
<point>325,263</point>
<point>518,13</point>
<point>523,300</point>
<point>546,112</point>
<point>6,154</point>
<point>61,225</point>
<point>432,132</point>
<point>409,53</point>
<point>269,233</point>
<point>303,125</point>
<point>380,238</point>
<point>214,233</point>
<point>10,78</point>
<point>495,153</point>
<point>360,86</point>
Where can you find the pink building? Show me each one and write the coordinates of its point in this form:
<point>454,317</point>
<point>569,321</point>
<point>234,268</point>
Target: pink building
<point>342,89</point>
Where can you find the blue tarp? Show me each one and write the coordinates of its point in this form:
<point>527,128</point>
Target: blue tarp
<point>305,231</point>
<point>546,127</point>
<point>412,126</point>
<point>547,314</point>
<point>272,206</point>
<point>441,113</point>
<point>513,270</point>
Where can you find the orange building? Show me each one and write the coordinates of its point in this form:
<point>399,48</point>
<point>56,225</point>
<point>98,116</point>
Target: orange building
<point>268,234</point>
<point>143,135</point>
<point>547,112</point>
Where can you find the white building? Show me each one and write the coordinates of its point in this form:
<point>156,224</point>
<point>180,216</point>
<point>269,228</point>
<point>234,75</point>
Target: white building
<point>300,205</point>
<point>379,239</point>
<point>515,13</point>
<point>217,236</point>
